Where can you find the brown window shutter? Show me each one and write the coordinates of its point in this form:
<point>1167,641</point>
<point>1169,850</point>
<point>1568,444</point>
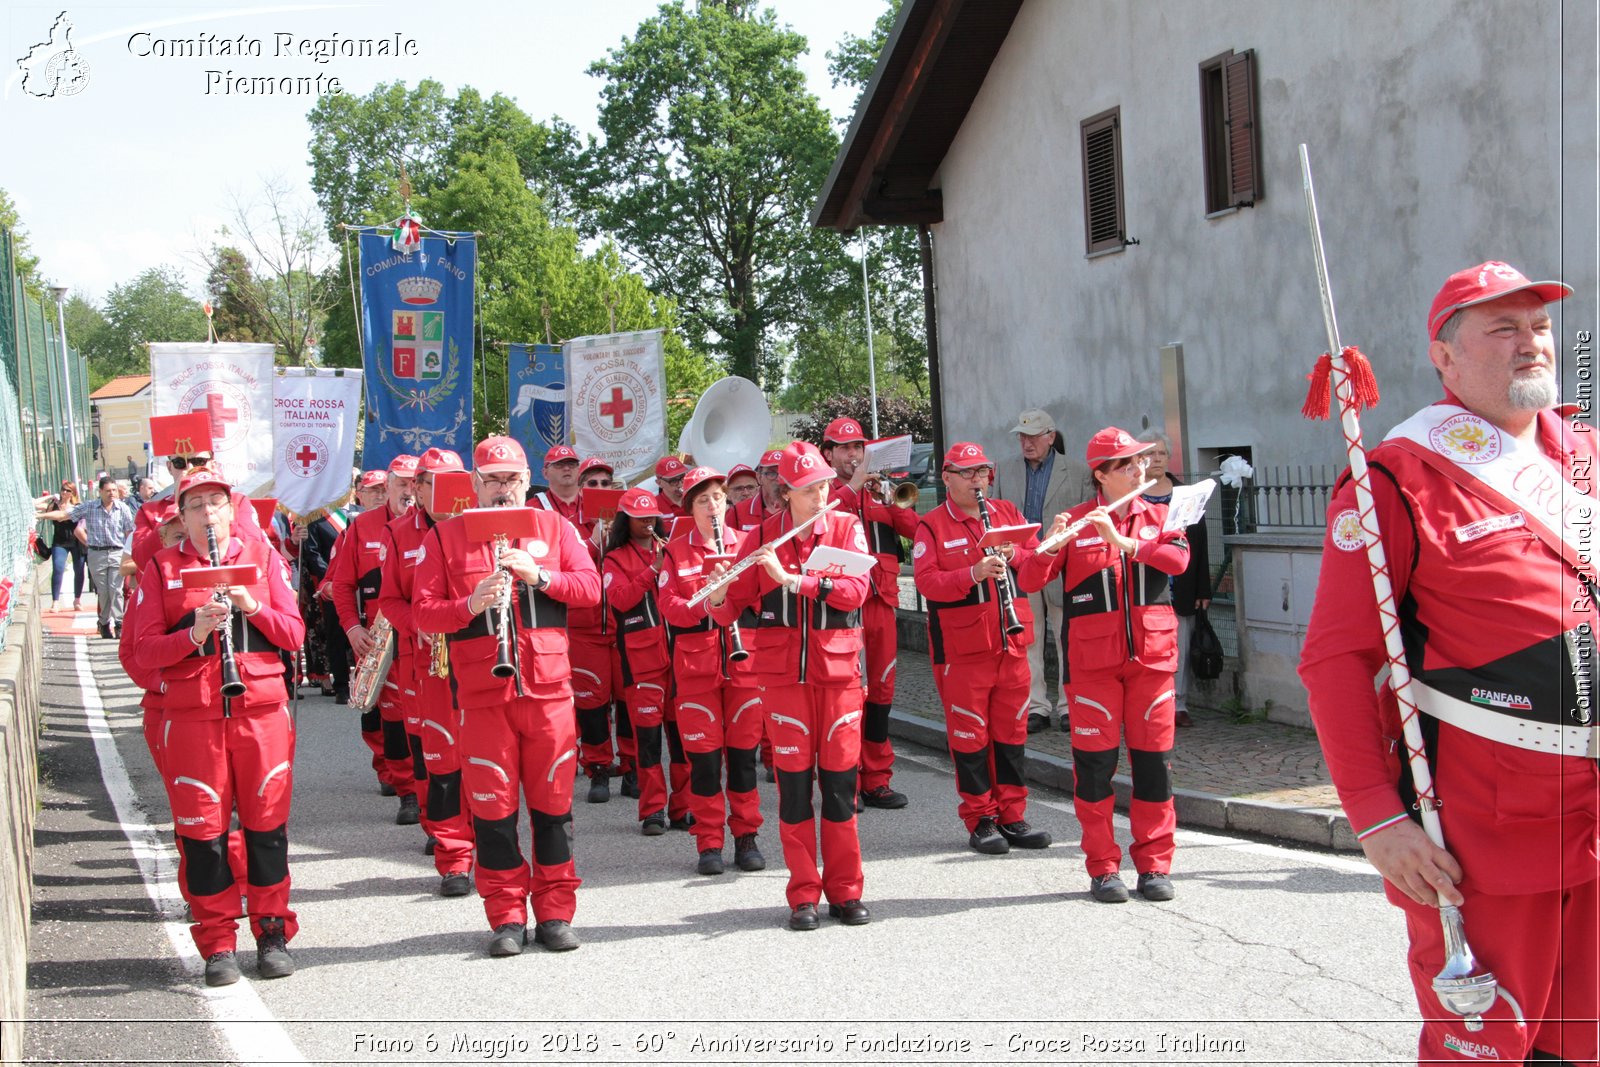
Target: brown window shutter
<point>1243,140</point>
<point>1102,182</point>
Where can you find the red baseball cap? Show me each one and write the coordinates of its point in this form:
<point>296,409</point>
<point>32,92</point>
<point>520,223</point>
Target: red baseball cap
<point>803,465</point>
<point>843,431</point>
<point>165,510</point>
<point>771,457</point>
<point>373,478</point>
<point>558,453</point>
<point>700,476</point>
<point>200,479</point>
<point>595,463</point>
<point>738,470</point>
<point>670,467</point>
<point>1483,283</point>
<point>639,504</point>
<point>403,465</point>
<point>1112,444</point>
<point>499,455</point>
<point>964,455</point>
<point>435,460</point>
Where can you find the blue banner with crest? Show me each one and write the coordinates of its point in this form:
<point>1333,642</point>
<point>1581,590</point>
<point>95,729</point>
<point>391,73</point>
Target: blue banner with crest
<point>536,378</point>
<point>417,331</point>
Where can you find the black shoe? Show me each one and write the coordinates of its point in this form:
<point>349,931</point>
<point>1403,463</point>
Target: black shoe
<point>882,797</point>
<point>630,785</point>
<point>507,939</point>
<point>431,846</point>
<point>1108,888</point>
<point>1066,724</point>
<point>1038,722</point>
<point>803,917</point>
<point>683,823</point>
<point>410,812</point>
<point>341,698</point>
<point>710,862</point>
<point>746,855</point>
<point>455,884</point>
<point>1181,718</point>
<point>385,789</point>
<point>1022,835</point>
<point>222,968</point>
<point>556,935</point>
<point>105,631</point>
<point>272,951</point>
<point>654,824</point>
<point>599,786</point>
<point>851,913</point>
<point>987,839</point>
<point>772,774</point>
<point>1153,885</point>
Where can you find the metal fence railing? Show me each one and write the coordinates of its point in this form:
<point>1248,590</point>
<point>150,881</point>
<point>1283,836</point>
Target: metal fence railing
<point>1287,497</point>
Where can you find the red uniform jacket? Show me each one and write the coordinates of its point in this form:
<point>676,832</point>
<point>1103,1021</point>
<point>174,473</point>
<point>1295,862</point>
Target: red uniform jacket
<point>699,646</point>
<point>191,677</point>
<point>630,581</point>
<point>403,549</point>
<point>1116,608</point>
<point>669,510</point>
<point>147,533</point>
<point>146,678</point>
<point>802,637</point>
<point>964,617</point>
<point>355,573</point>
<point>586,618</point>
<point>450,568</point>
<point>750,514</point>
<point>884,525</point>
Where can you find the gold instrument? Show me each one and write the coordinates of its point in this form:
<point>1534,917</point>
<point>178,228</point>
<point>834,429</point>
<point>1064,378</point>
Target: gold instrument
<point>1055,541</point>
<point>439,656</point>
<point>903,495</point>
<point>370,673</point>
<point>749,561</point>
<point>505,664</point>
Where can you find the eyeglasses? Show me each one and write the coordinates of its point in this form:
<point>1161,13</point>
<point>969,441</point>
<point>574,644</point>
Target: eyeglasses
<point>216,502</point>
<point>504,482</point>
<point>181,462</point>
<point>597,483</point>
<point>967,473</point>
<point>674,482</point>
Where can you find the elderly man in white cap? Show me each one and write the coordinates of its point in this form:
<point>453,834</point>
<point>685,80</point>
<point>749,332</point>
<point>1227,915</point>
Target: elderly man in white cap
<point>1041,484</point>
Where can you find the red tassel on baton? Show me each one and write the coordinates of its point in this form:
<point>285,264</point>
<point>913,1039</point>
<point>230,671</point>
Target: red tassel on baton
<point>1363,383</point>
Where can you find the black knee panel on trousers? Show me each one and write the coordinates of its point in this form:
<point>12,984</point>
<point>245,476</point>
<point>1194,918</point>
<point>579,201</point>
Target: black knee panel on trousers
<point>1008,761</point>
<point>794,796</point>
<point>674,741</point>
<point>875,723</point>
<point>444,796</point>
<point>649,746</point>
<point>838,794</point>
<point>552,837</point>
<point>1093,771</point>
<point>1152,775</point>
<point>594,725</point>
<point>624,723</point>
<point>1541,1056</point>
<point>419,764</point>
<point>266,854</point>
<point>206,870</point>
<point>741,770</point>
<point>395,745</point>
<point>497,843</point>
<point>371,721</point>
<point>972,771</point>
<point>705,773</point>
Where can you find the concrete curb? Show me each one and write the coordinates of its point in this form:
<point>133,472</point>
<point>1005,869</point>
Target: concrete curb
<point>1318,827</point>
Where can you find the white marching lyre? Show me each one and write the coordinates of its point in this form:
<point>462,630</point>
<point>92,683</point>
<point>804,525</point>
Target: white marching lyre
<point>731,424</point>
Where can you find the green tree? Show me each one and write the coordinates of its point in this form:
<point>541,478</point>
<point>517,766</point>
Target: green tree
<point>855,58</point>
<point>231,288</point>
<point>151,307</point>
<point>714,151</point>
<point>27,262</point>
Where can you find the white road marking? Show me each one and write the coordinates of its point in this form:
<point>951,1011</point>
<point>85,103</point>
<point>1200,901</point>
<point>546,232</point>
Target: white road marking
<point>256,1036</point>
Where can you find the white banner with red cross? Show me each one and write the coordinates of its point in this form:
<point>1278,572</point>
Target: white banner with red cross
<point>231,383</point>
<point>616,389</point>
<point>315,413</point>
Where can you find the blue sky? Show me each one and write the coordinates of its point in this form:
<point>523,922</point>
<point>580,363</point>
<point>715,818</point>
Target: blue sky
<point>141,166</point>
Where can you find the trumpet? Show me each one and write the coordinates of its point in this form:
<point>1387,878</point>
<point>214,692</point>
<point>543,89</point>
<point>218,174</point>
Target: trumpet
<point>232,684</point>
<point>1055,541</point>
<point>901,495</point>
<point>505,666</point>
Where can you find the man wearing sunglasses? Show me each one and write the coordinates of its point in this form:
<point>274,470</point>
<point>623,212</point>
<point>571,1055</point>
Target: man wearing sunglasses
<point>147,520</point>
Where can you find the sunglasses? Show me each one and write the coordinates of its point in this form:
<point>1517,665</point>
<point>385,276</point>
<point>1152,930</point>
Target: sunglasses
<point>181,462</point>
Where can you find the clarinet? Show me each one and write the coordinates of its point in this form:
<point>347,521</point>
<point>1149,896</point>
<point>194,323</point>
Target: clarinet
<point>232,684</point>
<point>1005,592</point>
<point>736,650</point>
<point>504,666</point>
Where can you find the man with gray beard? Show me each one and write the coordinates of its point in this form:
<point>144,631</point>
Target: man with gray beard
<point>1484,505</point>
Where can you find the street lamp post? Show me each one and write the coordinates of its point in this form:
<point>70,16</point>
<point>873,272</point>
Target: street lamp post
<point>60,293</point>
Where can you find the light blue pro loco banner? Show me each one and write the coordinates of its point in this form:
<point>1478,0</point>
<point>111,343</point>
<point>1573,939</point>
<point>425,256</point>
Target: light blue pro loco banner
<point>536,378</point>
<point>416,317</point>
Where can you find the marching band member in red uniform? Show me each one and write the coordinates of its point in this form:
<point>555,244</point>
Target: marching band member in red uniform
<point>225,753</point>
<point>561,475</point>
<point>754,511</point>
<point>631,573</point>
<point>669,480</point>
<point>844,445</point>
<point>432,719</point>
<point>719,707</point>
<point>980,670</point>
<point>518,738</point>
<point>807,650</point>
<point>1484,504</point>
<point>1121,655</point>
<point>742,485</point>
<point>355,580</point>
<point>147,519</point>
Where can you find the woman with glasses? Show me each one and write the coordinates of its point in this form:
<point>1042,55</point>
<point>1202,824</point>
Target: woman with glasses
<point>1121,651</point>
<point>66,546</point>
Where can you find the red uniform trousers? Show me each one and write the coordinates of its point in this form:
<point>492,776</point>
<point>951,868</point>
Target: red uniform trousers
<point>1542,948</point>
<point>155,731</point>
<point>986,722</point>
<point>1135,702</point>
<point>711,721</point>
<point>596,690</point>
<point>212,767</point>
<point>444,815</point>
<point>528,745</point>
<point>649,700</point>
<point>880,634</point>
<point>394,705</point>
<point>816,734</point>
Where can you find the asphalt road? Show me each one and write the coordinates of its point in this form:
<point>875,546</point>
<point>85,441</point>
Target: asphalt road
<point>1268,955</point>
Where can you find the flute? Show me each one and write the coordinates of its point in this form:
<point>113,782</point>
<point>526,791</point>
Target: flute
<point>1055,541</point>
